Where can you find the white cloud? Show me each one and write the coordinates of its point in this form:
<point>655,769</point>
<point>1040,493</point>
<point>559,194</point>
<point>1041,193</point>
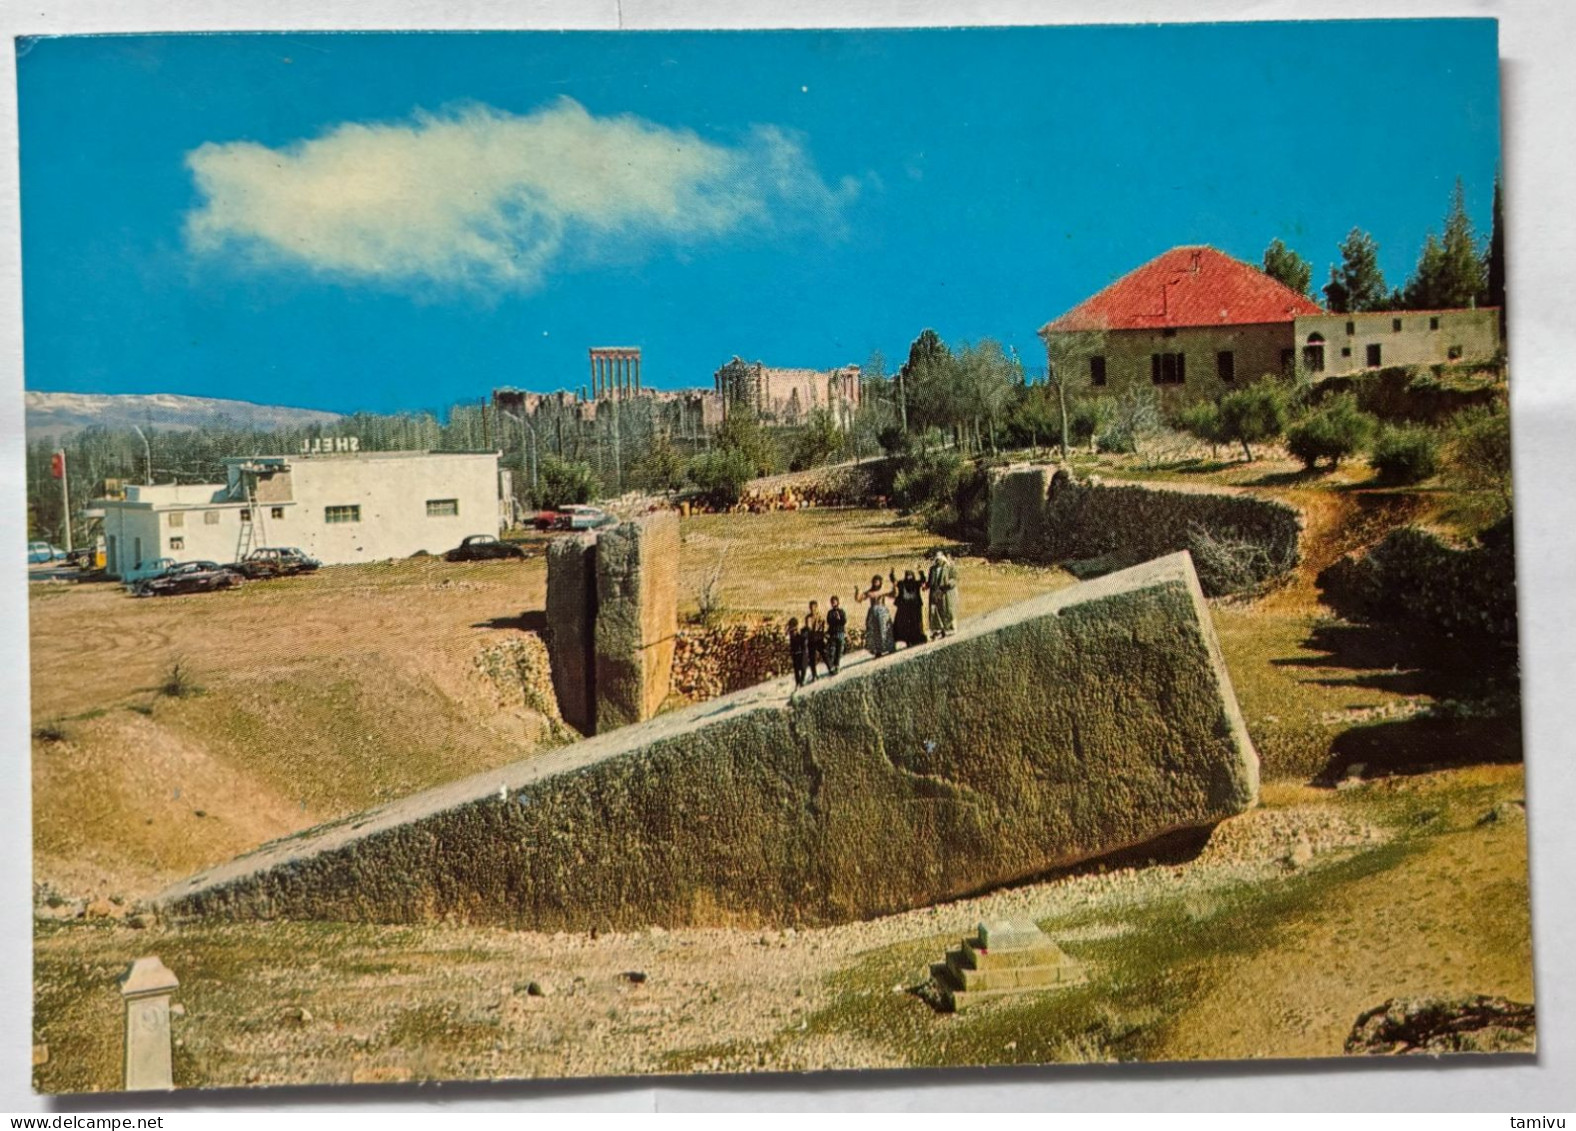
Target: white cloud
<point>479,197</point>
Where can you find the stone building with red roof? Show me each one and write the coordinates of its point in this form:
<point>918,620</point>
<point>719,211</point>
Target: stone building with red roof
<point>1194,323</point>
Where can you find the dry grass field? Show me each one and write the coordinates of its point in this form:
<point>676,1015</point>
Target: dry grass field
<point>316,696</point>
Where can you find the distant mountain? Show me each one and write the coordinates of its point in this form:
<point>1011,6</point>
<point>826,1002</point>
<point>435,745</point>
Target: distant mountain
<point>56,414</point>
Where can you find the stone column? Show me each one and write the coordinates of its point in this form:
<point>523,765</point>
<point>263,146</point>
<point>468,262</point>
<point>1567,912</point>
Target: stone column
<point>637,374</point>
<point>146,990</point>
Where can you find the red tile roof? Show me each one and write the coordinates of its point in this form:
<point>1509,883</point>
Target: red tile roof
<point>1187,286</point>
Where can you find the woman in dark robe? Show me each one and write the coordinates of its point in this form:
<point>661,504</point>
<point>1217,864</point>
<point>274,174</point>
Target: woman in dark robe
<point>908,596</point>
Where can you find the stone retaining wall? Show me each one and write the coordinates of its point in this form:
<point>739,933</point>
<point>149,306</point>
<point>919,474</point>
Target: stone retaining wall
<point>1237,540</point>
<point>1069,726</point>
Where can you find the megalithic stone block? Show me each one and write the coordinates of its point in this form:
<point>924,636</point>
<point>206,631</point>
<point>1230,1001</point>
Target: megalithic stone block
<point>571,627</point>
<point>637,595</point>
<point>1068,726</point>
<point>1016,525</point>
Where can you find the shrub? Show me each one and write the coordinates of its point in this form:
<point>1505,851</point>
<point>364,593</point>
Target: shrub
<point>1477,452</point>
<point>744,434</point>
<point>927,480</point>
<point>661,468</point>
<point>709,607</point>
<point>1202,419</point>
<point>1253,415</point>
<point>818,443</point>
<point>177,682</point>
<point>1405,455</point>
<point>1134,417</point>
<point>1336,430</point>
<point>562,482</point>
<point>720,475</point>
<point>1084,420</point>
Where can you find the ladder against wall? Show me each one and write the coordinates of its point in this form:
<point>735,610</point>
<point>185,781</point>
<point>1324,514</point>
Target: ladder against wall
<point>253,533</point>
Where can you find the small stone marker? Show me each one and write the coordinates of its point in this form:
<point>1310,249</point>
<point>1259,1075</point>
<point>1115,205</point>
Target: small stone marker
<point>1006,956</point>
<point>146,989</point>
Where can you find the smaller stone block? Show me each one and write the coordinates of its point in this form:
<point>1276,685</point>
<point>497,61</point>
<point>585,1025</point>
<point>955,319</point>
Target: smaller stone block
<point>1023,960</point>
<point>1010,934</point>
<point>976,958</point>
<point>146,989</point>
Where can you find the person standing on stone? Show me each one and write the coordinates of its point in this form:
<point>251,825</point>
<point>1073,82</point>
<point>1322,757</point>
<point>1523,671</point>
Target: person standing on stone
<point>878,621</point>
<point>836,635</point>
<point>910,601</point>
<point>942,581</point>
<point>798,650</point>
<point>815,636</point>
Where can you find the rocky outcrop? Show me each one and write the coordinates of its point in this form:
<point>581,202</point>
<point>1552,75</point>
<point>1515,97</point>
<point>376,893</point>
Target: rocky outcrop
<point>1438,1025</point>
<point>1069,726</point>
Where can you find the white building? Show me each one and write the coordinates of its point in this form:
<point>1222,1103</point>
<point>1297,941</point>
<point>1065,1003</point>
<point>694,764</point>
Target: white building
<point>337,507</point>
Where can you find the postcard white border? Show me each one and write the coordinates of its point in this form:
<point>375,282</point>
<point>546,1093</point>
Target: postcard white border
<point>1539,88</point>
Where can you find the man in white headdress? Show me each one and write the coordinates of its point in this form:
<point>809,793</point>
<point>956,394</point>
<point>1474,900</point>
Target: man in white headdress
<point>942,581</point>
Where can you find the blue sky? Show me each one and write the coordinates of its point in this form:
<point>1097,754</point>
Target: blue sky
<point>385,222</point>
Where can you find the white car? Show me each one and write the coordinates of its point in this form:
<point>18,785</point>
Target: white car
<point>585,517</point>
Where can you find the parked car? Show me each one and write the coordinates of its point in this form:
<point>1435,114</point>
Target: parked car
<point>187,577</point>
<point>274,561</point>
<point>583,517</point>
<point>574,516</point>
<point>38,552</point>
<point>484,548</point>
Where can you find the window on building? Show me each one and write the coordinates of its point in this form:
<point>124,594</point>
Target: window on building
<point>1169,332</point>
<point>246,514</point>
<point>1313,354</point>
<point>1433,323</point>
<point>1226,365</point>
<point>1454,353</point>
<point>1288,359</point>
<point>1351,328</point>
<point>1346,351</point>
<point>1375,356</point>
<point>177,519</point>
<point>210,518</point>
<point>351,513</point>
<point>177,543</point>
<point>1395,325</point>
<point>442,508</point>
<point>1167,368</point>
<point>277,512</point>
<point>1097,369</point>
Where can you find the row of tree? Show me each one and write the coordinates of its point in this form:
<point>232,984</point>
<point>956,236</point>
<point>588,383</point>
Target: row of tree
<point>1453,269</point>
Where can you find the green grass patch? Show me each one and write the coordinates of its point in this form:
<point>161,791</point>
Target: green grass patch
<point>1155,961</point>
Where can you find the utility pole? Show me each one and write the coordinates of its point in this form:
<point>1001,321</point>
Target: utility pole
<point>147,454</point>
<point>525,428</point>
<point>58,466</point>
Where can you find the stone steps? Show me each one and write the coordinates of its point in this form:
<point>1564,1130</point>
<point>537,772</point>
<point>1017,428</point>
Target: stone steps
<point>1002,962</point>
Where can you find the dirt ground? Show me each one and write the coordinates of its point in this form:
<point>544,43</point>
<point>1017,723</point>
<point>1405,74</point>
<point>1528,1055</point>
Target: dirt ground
<point>1369,909</point>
